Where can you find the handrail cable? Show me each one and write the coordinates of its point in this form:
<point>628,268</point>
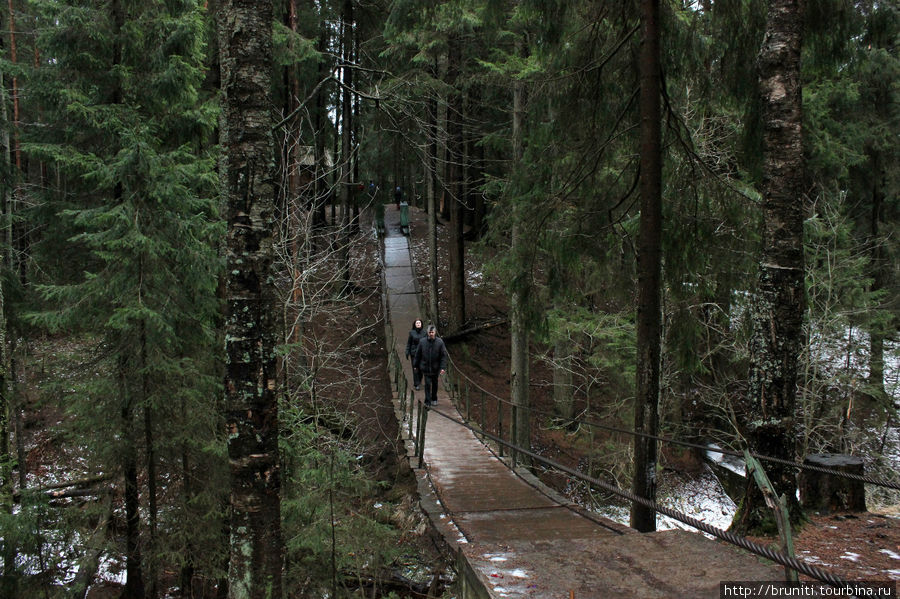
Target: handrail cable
<point>811,467</point>
<point>730,537</point>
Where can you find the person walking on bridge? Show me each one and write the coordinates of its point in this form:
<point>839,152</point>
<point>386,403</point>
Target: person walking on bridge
<point>416,334</point>
<point>431,361</point>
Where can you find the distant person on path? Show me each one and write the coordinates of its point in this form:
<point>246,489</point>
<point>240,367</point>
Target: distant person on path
<point>431,361</point>
<point>416,334</point>
<point>398,196</point>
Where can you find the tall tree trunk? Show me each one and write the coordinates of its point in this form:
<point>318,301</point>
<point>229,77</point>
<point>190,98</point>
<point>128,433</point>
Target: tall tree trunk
<point>878,268</point>
<point>780,300</point>
<point>563,390</point>
<point>13,58</point>
<point>134,584</point>
<point>443,135</point>
<point>346,144</point>
<point>430,177</point>
<point>245,46</point>
<point>294,205</point>
<point>649,326</point>
<point>478,204</point>
<point>520,292</point>
<point>134,575</point>
<point>356,196</point>
<point>15,402</point>
<point>8,583</point>
<point>187,496</point>
<point>152,506</point>
<point>321,180</point>
<point>457,300</point>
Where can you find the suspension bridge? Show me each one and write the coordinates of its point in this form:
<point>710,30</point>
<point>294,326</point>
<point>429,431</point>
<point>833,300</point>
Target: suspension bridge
<point>515,537</point>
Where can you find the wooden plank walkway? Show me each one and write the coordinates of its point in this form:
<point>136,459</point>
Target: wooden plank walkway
<point>516,538</point>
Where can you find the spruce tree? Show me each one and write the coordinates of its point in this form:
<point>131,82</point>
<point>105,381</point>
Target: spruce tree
<point>126,130</point>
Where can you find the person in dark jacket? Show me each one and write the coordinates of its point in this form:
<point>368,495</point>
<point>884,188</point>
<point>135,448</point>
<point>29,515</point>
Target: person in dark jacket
<point>416,334</point>
<point>431,361</point>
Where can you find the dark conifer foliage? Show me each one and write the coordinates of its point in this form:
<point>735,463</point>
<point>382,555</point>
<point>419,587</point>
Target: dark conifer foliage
<point>126,256</point>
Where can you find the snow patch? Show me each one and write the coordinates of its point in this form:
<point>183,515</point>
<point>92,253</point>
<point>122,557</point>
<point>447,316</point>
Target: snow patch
<point>728,462</point>
<point>889,553</point>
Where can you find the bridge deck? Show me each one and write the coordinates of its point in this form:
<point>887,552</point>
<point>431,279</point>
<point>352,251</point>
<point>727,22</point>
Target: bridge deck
<point>520,539</point>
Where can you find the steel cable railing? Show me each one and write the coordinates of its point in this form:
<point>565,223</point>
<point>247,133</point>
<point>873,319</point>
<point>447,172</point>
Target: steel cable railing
<point>799,465</point>
<point>737,540</point>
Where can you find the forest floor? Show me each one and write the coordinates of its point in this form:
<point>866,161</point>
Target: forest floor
<point>862,546</point>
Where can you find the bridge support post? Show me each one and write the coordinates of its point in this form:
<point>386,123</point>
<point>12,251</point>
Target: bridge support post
<point>500,424</point>
<point>514,435</point>
<point>420,446</point>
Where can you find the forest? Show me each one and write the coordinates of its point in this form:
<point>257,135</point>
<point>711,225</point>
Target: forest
<point>682,215</point>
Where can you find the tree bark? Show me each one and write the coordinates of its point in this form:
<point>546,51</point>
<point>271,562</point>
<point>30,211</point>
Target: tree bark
<point>150,455</point>
<point>134,575</point>
<point>879,267</point>
<point>251,403</point>
<point>431,175</point>
<point>649,325</point>
<point>563,391</point>
<point>346,144</point>
<point>780,300</point>
<point>321,176</point>
<point>8,581</point>
<point>457,300</point>
<point>520,292</point>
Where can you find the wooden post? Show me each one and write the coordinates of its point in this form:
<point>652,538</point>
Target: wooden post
<point>412,400</point>
<point>467,401</point>
<point>513,434</point>
<point>777,505</point>
<point>412,409</point>
<point>500,423</point>
<point>424,412</point>
<point>482,411</point>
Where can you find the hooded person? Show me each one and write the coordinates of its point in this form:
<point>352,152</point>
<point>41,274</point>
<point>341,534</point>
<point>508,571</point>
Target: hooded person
<point>416,334</point>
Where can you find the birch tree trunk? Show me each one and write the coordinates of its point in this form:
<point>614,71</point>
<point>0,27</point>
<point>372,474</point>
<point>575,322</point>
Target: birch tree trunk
<point>646,409</point>
<point>780,300</point>
<point>251,403</point>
